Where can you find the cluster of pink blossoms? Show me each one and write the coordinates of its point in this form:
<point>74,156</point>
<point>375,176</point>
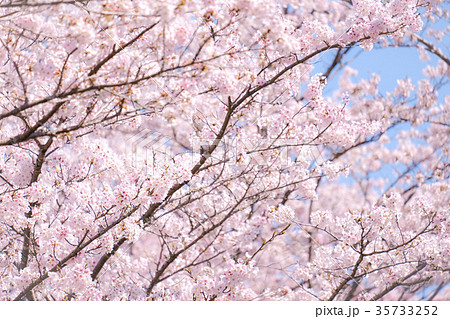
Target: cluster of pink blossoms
<point>221,150</point>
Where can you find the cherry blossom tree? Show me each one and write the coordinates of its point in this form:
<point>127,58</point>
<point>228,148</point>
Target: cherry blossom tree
<point>186,150</point>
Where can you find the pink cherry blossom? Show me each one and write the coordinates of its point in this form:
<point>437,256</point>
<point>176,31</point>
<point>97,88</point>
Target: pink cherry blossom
<point>222,150</point>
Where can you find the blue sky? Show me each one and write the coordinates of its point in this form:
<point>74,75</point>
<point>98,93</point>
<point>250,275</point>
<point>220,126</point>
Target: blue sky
<point>391,64</point>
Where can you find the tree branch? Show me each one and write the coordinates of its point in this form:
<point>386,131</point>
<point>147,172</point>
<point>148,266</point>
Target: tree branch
<point>398,282</point>
<point>106,257</point>
<point>114,51</point>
